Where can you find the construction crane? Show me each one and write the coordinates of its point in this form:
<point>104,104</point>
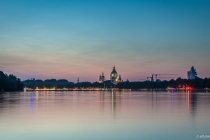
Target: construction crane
<point>152,79</point>
<point>156,76</point>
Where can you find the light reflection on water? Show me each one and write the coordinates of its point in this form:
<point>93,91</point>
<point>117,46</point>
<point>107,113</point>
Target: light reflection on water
<point>87,115</point>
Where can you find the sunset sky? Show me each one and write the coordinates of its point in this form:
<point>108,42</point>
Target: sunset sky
<point>66,39</point>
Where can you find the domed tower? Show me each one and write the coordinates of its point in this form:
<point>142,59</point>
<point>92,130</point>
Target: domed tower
<point>114,76</point>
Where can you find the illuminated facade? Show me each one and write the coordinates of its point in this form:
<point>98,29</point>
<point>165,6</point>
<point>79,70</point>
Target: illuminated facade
<point>101,78</point>
<point>114,77</point>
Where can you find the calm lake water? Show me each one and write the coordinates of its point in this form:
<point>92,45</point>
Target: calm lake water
<point>95,115</point>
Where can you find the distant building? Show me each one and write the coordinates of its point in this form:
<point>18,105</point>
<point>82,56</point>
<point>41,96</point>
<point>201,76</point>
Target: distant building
<point>119,79</point>
<point>32,79</point>
<point>114,78</point>
<point>192,74</point>
<point>101,78</point>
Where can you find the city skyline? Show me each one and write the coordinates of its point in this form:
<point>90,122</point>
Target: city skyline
<point>71,39</point>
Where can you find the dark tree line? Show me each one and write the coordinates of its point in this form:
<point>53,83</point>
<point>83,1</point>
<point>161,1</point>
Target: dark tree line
<point>49,83</point>
<point>197,83</point>
<point>10,83</point>
<point>62,83</point>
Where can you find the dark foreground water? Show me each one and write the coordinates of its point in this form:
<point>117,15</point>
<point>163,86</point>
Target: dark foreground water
<point>94,115</point>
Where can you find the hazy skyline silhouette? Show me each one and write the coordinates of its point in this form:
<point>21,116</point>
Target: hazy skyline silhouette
<point>69,39</point>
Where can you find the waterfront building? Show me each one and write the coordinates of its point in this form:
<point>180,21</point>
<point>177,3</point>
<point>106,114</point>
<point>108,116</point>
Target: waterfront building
<point>114,77</point>
<point>101,78</point>
<point>192,74</point>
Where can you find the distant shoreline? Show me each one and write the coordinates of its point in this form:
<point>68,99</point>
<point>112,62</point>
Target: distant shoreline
<point>177,90</point>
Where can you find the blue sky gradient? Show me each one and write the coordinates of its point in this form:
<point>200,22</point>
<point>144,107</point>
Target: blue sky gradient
<point>67,39</point>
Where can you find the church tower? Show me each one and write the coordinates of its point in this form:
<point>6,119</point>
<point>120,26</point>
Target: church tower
<point>101,78</point>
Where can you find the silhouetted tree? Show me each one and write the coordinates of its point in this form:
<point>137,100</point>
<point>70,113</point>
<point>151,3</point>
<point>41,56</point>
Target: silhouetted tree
<point>10,83</point>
